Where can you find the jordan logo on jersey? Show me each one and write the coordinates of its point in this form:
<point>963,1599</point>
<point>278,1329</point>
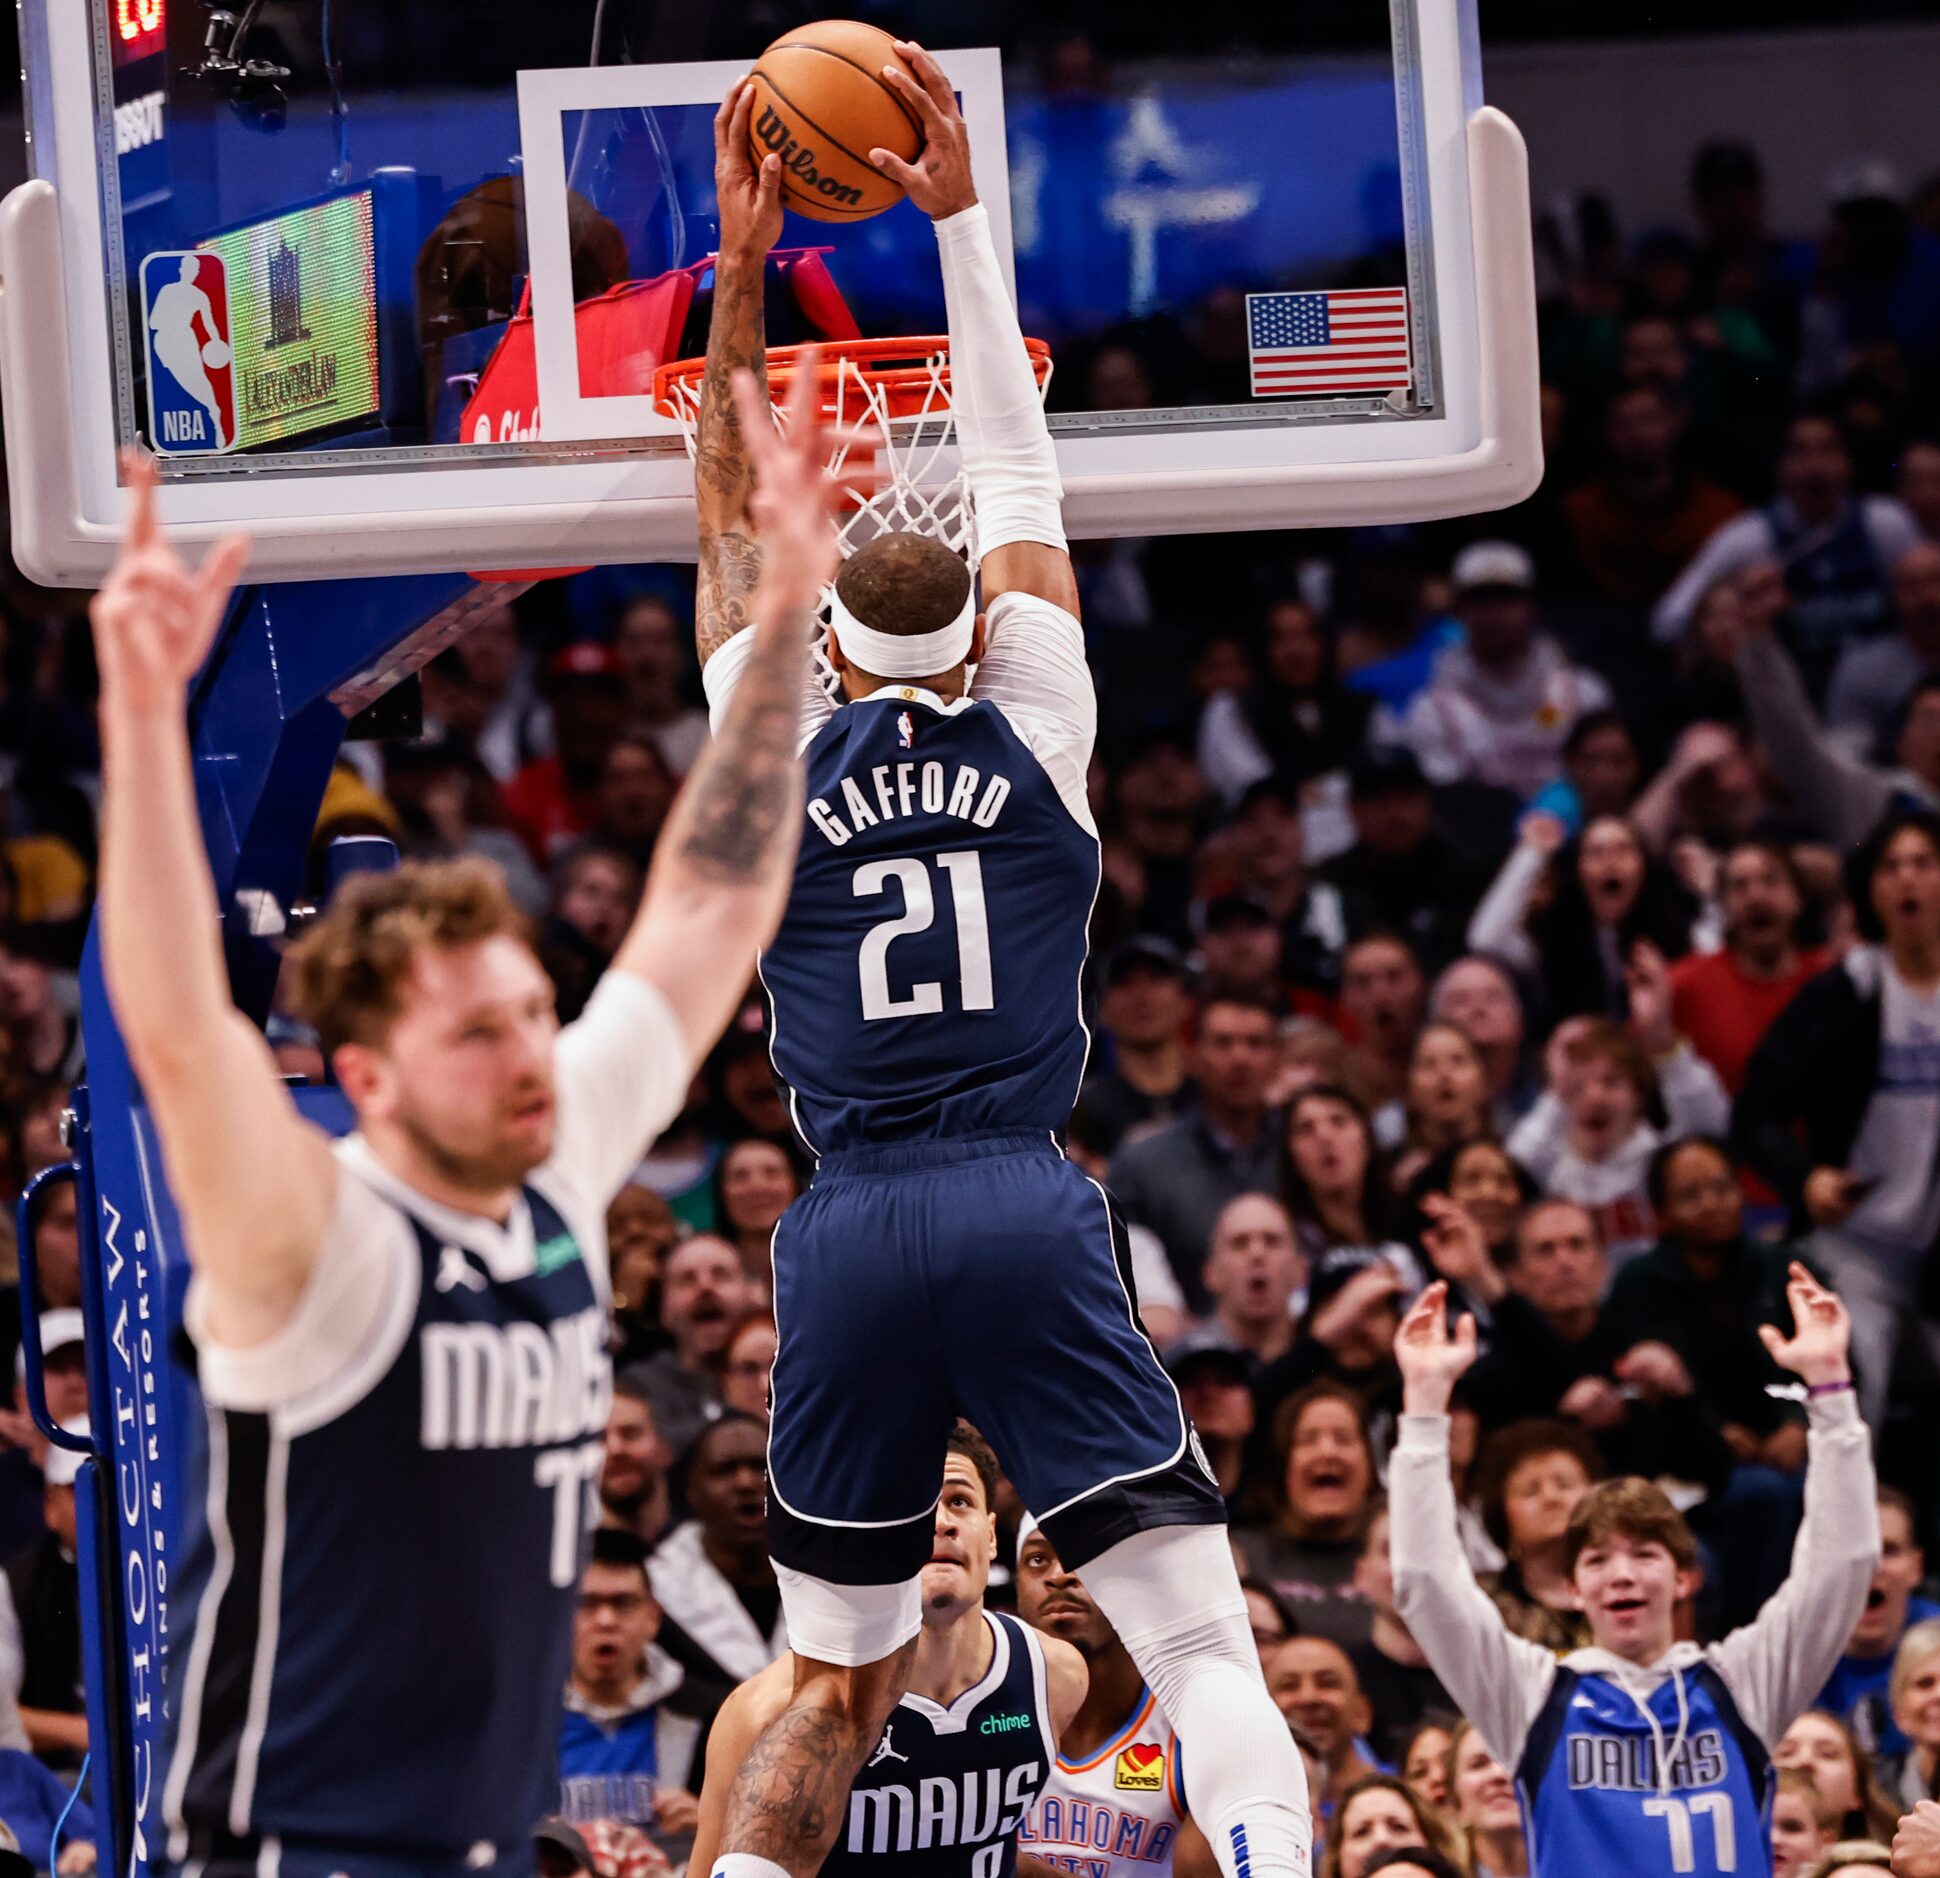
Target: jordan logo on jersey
<point>456,1272</point>
<point>885,1752</point>
<point>1140,1769</point>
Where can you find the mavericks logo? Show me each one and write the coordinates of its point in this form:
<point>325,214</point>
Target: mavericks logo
<point>1140,1769</point>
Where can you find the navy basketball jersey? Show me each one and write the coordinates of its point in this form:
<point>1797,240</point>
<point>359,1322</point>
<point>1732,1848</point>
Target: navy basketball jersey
<point>1604,1790</point>
<point>945,1790</point>
<point>317,1695</point>
<point>925,980</point>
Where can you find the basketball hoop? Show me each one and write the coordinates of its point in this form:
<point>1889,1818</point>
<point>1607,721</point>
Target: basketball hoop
<point>897,390</point>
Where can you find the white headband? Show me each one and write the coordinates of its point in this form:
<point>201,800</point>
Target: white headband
<point>904,655</point>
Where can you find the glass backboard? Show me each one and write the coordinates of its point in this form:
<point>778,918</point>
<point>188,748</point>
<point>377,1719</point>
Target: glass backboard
<point>387,286</point>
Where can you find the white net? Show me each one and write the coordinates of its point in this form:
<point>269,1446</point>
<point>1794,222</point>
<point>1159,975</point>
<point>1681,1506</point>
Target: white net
<point>903,490</point>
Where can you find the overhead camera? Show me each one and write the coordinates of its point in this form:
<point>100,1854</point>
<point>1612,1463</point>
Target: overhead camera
<point>253,87</point>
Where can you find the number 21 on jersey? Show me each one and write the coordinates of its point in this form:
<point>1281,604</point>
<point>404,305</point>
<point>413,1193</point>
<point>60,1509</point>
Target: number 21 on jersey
<point>964,873</point>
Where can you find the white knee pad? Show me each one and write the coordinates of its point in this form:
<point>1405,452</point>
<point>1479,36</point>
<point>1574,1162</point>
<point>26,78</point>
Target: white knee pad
<point>1174,1598</point>
<point>850,1626</point>
<point>1173,1595</point>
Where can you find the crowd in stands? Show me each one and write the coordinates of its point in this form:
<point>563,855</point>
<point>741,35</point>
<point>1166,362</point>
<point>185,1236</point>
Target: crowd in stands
<point>1573,873</point>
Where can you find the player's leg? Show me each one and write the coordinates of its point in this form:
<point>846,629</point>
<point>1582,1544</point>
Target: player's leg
<point>1057,1374</point>
<point>859,1422</point>
<point>1173,1595</point>
<point>790,1799</point>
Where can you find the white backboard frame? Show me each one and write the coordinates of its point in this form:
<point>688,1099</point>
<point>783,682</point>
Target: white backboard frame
<point>545,97</point>
<point>608,502</point>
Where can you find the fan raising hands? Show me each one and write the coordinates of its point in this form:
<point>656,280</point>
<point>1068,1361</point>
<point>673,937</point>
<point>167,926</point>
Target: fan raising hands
<point>1431,1357</point>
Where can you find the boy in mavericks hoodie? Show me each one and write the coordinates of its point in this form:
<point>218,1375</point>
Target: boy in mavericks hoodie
<point>1639,1754</point>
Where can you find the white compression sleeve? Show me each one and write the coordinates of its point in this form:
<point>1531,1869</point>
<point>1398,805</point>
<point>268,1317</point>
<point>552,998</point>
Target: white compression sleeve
<point>1006,444</point>
<point>1173,1596</point>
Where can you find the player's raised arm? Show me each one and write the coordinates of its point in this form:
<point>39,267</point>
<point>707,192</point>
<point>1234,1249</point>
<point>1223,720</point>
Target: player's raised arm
<point>253,1180</point>
<point>750,208</point>
<point>723,863</point>
<point>1006,444</point>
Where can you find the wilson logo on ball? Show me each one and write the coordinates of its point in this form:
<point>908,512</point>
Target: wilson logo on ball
<point>798,160</point>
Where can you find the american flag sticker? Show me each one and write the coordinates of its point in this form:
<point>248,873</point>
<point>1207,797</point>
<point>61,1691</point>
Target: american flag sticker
<point>1315,345</point>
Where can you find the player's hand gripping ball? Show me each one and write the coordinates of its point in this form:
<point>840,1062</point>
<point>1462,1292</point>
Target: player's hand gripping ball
<point>821,105</point>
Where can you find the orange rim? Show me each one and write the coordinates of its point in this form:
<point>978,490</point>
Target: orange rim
<point>907,374</point>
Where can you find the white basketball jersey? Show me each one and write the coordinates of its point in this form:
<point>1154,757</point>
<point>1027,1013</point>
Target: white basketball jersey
<point>1115,1814</point>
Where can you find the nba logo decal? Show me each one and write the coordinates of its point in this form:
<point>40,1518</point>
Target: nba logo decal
<point>191,368</point>
<point>906,731</point>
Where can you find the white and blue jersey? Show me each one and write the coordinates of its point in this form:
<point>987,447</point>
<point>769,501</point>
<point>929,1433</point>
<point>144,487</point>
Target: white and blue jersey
<point>389,1500</point>
<point>943,1793</point>
<point>1619,1766</point>
<point>1117,1812</point>
<point>947,1260</point>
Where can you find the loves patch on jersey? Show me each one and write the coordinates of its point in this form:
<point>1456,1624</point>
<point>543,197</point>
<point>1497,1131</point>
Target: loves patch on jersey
<point>1140,1768</point>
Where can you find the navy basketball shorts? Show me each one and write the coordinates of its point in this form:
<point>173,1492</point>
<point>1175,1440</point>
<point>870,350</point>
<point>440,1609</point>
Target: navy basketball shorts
<point>986,1278</point>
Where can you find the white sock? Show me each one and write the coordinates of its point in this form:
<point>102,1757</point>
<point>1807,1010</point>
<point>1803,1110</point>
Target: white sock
<point>1173,1596</point>
<point>746,1865</point>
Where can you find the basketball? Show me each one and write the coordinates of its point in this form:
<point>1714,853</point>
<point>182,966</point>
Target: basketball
<point>821,106</point>
<point>215,354</point>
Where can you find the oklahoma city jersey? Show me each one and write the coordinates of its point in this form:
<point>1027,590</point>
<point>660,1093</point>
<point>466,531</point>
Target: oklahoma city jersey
<point>1117,1813</point>
<point>386,1512</point>
<point>925,977</point>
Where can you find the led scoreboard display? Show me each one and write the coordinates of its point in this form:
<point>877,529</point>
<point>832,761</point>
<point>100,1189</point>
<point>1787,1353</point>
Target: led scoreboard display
<point>302,292</point>
<point>137,28</point>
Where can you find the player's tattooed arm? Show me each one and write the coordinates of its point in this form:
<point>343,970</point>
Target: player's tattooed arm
<point>746,797</point>
<point>721,873</point>
<point>750,204</point>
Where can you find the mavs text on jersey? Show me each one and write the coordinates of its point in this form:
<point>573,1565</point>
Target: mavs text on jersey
<point>945,1791</point>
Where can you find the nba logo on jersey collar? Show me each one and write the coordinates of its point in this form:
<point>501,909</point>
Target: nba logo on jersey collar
<point>191,363</point>
<point>1141,1768</point>
<point>906,731</point>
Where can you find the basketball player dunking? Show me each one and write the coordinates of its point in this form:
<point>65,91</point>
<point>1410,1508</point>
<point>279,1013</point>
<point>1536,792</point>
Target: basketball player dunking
<point>967,1750</point>
<point>925,982</point>
<point>400,1337</point>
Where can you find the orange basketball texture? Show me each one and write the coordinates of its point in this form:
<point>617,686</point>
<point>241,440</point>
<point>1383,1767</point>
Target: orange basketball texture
<point>820,104</point>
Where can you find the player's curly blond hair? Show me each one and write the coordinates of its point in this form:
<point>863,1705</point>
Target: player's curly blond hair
<point>347,971</point>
